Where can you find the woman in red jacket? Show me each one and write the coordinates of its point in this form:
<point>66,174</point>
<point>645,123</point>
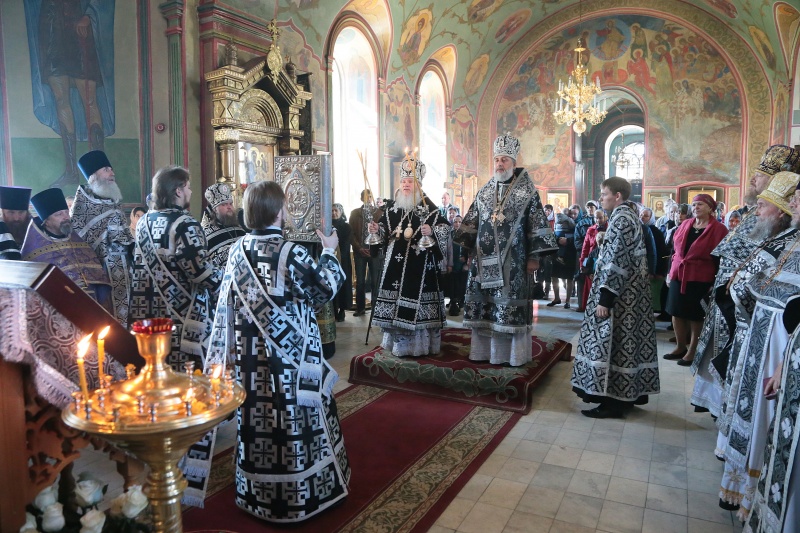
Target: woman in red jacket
<point>589,244</point>
<point>692,274</point>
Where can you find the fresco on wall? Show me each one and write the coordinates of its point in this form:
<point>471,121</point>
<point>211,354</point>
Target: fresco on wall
<point>763,47</point>
<point>476,74</point>
<point>462,139</point>
<point>725,7</point>
<point>692,99</point>
<point>415,36</point>
<point>72,74</point>
<point>294,47</point>
<point>376,14</point>
<point>787,19</point>
<point>781,115</point>
<point>400,111</point>
<point>512,25</point>
<point>480,10</point>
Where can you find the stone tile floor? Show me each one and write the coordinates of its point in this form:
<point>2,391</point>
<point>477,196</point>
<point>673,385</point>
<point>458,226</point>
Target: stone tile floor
<point>558,471</point>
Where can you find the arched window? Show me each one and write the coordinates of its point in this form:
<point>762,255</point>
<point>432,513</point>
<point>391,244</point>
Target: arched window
<point>355,117</point>
<point>625,152</point>
<point>433,135</point>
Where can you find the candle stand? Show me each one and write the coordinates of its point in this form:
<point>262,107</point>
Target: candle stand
<point>156,416</point>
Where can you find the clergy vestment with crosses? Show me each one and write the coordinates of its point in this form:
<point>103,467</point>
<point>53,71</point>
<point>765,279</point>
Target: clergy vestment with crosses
<point>503,228</point>
<point>219,238</point>
<point>760,339</point>
<point>732,251</point>
<point>616,356</point>
<point>102,223</point>
<point>290,462</point>
<point>173,278</point>
<point>410,303</point>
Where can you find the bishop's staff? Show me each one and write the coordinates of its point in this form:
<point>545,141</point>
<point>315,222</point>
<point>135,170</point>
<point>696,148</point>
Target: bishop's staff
<point>370,239</point>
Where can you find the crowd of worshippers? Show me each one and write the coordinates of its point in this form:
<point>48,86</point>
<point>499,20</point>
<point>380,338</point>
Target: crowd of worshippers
<point>239,292</point>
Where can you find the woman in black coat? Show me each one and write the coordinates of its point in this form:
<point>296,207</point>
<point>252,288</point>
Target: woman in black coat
<point>344,299</point>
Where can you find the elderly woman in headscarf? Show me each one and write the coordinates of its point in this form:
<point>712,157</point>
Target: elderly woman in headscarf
<point>344,299</point>
<point>692,274</point>
<point>732,219</point>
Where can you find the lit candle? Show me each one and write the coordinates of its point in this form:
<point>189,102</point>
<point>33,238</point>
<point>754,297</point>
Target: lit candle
<point>101,350</point>
<point>83,347</point>
<point>216,372</point>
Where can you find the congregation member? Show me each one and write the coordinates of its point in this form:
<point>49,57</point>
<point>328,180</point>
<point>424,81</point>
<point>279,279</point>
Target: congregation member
<point>582,225</point>
<point>97,216</point>
<point>344,299</point>
<point>14,220</point>
<point>368,268</point>
<point>661,257</point>
<point>616,364</point>
<point>459,273</point>
<point>565,259</point>
<point>446,206</point>
<point>266,318</point>
<point>506,233</point>
<point>51,239</point>
<point>410,304</point>
<point>173,276</point>
<point>759,341</point>
<point>136,214</point>
<point>776,500</point>
<point>713,347</point>
<point>220,223</point>
<point>732,219</point>
<point>589,245</point>
<point>691,275</point>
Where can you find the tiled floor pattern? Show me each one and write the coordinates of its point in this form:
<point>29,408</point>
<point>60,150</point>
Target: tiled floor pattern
<point>558,471</point>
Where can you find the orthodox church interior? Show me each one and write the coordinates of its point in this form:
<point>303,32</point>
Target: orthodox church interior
<point>684,96</point>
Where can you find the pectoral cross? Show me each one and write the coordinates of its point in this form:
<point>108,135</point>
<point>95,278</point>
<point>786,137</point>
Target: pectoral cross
<point>498,217</point>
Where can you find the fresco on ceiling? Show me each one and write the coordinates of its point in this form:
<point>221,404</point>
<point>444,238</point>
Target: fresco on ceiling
<point>787,19</point>
<point>763,47</point>
<point>400,111</point>
<point>293,46</point>
<point>476,74</point>
<point>725,7</point>
<point>304,4</point>
<point>415,36</point>
<point>512,25</point>
<point>462,139</point>
<point>447,60</point>
<point>781,115</point>
<point>480,10</point>
<point>692,99</point>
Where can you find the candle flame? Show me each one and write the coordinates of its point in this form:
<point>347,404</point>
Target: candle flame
<point>217,372</point>
<point>103,332</point>
<point>83,346</point>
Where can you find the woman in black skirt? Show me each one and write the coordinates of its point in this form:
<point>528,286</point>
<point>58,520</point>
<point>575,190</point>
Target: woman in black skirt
<point>692,274</point>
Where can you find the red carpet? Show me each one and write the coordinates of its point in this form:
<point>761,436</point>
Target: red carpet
<point>451,375</point>
<point>410,456</point>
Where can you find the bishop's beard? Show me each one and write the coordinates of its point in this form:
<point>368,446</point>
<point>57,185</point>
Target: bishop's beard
<point>228,220</point>
<point>405,200</point>
<point>767,228</point>
<point>106,189</point>
<point>504,176</point>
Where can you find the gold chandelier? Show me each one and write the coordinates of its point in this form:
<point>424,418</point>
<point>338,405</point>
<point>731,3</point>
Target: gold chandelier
<point>577,102</point>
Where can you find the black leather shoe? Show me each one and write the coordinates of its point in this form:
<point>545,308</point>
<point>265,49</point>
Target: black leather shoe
<point>602,412</point>
<point>554,303</point>
<point>684,362</point>
<point>675,356</point>
<point>566,305</point>
<point>358,313</point>
<point>728,506</point>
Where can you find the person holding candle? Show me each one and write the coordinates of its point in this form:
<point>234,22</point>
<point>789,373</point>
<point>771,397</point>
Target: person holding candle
<point>507,233</point>
<point>52,239</point>
<point>172,274</point>
<point>266,324</point>
<point>410,303</point>
<point>98,217</point>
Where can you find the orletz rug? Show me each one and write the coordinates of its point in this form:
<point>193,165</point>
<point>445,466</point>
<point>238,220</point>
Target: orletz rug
<point>409,455</point>
<point>451,375</point>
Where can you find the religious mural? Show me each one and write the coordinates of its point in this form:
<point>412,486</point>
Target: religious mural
<point>476,74</point>
<point>415,36</point>
<point>512,25</point>
<point>462,139</point>
<point>376,14</point>
<point>294,47</point>
<point>400,120</point>
<point>763,47</point>
<point>480,10</point>
<point>787,19</point>
<point>780,120</point>
<point>693,100</point>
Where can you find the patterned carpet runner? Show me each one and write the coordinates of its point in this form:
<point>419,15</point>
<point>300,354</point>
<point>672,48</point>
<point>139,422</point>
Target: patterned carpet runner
<point>451,375</point>
<point>410,456</point>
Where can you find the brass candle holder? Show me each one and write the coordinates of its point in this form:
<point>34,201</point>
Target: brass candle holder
<point>157,415</point>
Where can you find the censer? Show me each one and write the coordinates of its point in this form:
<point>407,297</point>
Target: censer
<point>157,415</point>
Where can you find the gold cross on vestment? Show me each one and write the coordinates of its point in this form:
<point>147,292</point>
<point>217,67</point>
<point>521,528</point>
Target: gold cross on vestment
<point>498,217</point>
